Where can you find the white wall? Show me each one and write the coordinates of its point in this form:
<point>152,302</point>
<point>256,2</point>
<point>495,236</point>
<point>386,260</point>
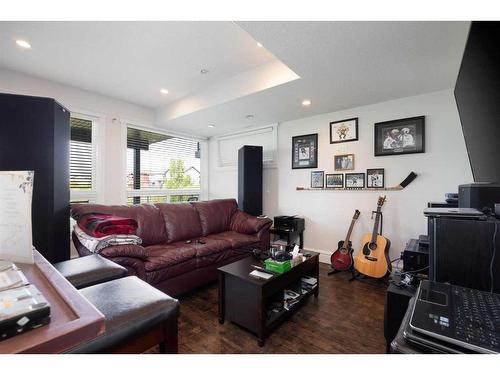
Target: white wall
<point>111,155</point>
<point>440,169</point>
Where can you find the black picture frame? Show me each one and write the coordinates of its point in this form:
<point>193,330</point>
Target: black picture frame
<point>318,182</point>
<point>305,151</point>
<point>344,162</point>
<point>359,177</point>
<point>334,186</point>
<point>370,181</point>
<point>400,137</point>
<point>351,123</point>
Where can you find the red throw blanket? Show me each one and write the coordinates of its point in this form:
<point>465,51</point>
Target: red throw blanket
<point>101,225</point>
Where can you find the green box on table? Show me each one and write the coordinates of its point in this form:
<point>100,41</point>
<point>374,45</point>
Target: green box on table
<point>278,267</point>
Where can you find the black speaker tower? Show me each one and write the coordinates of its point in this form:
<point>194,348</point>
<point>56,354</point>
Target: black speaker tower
<point>250,179</point>
<point>35,136</point>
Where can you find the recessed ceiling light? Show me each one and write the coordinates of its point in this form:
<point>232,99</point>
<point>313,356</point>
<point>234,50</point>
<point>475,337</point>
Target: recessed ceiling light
<point>259,44</point>
<point>164,91</point>
<point>204,71</point>
<point>211,125</point>
<point>23,43</point>
<point>306,102</point>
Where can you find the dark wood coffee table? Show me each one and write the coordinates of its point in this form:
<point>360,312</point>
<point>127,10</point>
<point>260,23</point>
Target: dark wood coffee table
<point>248,301</point>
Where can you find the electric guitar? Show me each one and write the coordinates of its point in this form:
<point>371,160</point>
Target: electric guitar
<point>373,259</point>
<point>341,259</point>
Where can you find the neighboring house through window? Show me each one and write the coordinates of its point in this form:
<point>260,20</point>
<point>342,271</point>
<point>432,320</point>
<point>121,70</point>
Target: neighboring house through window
<point>161,168</point>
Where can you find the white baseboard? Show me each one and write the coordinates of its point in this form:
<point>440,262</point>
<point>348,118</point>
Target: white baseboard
<point>324,255</point>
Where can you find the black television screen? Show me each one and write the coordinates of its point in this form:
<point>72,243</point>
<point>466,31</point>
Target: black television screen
<point>477,93</point>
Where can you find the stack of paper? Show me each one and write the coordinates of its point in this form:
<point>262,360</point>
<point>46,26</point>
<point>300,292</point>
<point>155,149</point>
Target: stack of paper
<point>12,278</point>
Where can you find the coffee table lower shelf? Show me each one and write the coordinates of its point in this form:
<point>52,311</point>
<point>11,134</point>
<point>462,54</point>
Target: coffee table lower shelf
<point>247,302</point>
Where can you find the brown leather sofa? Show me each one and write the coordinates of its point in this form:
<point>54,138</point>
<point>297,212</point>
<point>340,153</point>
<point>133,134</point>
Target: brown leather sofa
<point>164,259</point>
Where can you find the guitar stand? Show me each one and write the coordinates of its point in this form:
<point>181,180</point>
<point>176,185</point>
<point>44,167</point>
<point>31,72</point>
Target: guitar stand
<point>351,269</point>
<point>370,280</point>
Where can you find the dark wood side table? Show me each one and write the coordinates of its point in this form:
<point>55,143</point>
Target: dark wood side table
<point>247,301</point>
<point>73,319</point>
<point>289,235</point>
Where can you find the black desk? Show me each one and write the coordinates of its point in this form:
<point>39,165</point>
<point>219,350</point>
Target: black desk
<point>399,345</point>
<point>288,233</point>
<point>396,304</point>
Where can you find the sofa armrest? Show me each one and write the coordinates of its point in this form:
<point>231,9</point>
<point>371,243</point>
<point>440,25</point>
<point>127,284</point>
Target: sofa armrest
<point>244,223</point>
<point>132,258</point>
<point>130,251</point>
<point>264,236</point>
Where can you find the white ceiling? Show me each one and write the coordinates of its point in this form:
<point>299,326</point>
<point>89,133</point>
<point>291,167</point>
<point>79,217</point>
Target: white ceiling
<point>132,61</point>
<point>337,65</point>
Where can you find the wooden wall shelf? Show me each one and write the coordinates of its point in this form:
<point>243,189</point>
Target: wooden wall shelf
<point>395,188</point>
<point>399,187</point>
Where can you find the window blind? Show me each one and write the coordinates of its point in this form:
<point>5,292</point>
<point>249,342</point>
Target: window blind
<point>81,155</point>
<point>161,163</point>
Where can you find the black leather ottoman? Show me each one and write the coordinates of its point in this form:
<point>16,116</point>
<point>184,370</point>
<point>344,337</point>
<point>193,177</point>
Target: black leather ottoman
<point>137,316</point>
<point>90,270</point>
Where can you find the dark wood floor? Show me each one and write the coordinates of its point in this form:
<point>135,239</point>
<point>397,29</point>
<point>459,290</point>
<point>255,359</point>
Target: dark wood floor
<point>347,317</point>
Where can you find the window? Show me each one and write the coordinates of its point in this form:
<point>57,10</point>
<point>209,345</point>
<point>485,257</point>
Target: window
<point>161,168</point>
<point>229,144</point>
<point>82,160</point>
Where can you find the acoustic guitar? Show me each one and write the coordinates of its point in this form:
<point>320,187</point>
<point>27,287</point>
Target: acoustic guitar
<point>341,259</point>
<point>373,258</point>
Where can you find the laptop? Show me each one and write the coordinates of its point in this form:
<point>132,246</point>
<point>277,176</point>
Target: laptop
<point>463,317</point>
<point>461,212</point>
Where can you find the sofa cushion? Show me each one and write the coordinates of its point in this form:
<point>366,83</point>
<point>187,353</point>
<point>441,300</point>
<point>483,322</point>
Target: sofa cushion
<point>215,215</point>
<point>151,227</point>
<point>225,256</point>
<point>182,221</point>
<point>211,246</point>
<point>161,274</point>
<point>236,239</point>
<point>161,256</point>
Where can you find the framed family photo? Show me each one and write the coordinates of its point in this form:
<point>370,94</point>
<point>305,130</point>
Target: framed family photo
<point>344,130</point>
<point>343,162</point>
<point>317,179</point>
<point>335,180</point>
<point>398,137</point>
<point>354,180</point>
<point>375,178</point>
<point>305,151</point>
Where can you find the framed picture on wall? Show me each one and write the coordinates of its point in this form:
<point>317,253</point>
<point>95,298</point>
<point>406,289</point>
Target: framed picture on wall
<point>305,151</point>
<point>398,137</point>
<point>334,180</point>
<point>375,178</point>
<point>317,179</point>
<point>343,162</point>
<point>344,130</point>
<point>354,180</point>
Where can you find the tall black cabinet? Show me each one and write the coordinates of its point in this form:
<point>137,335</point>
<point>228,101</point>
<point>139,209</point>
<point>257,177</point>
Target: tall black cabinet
<point>34,135</point>
<point>250,179</point>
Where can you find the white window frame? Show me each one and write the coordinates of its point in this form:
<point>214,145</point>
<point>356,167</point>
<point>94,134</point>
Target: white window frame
<point>94,195</point>
<point>202,191</point>
<point>273,163</point>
